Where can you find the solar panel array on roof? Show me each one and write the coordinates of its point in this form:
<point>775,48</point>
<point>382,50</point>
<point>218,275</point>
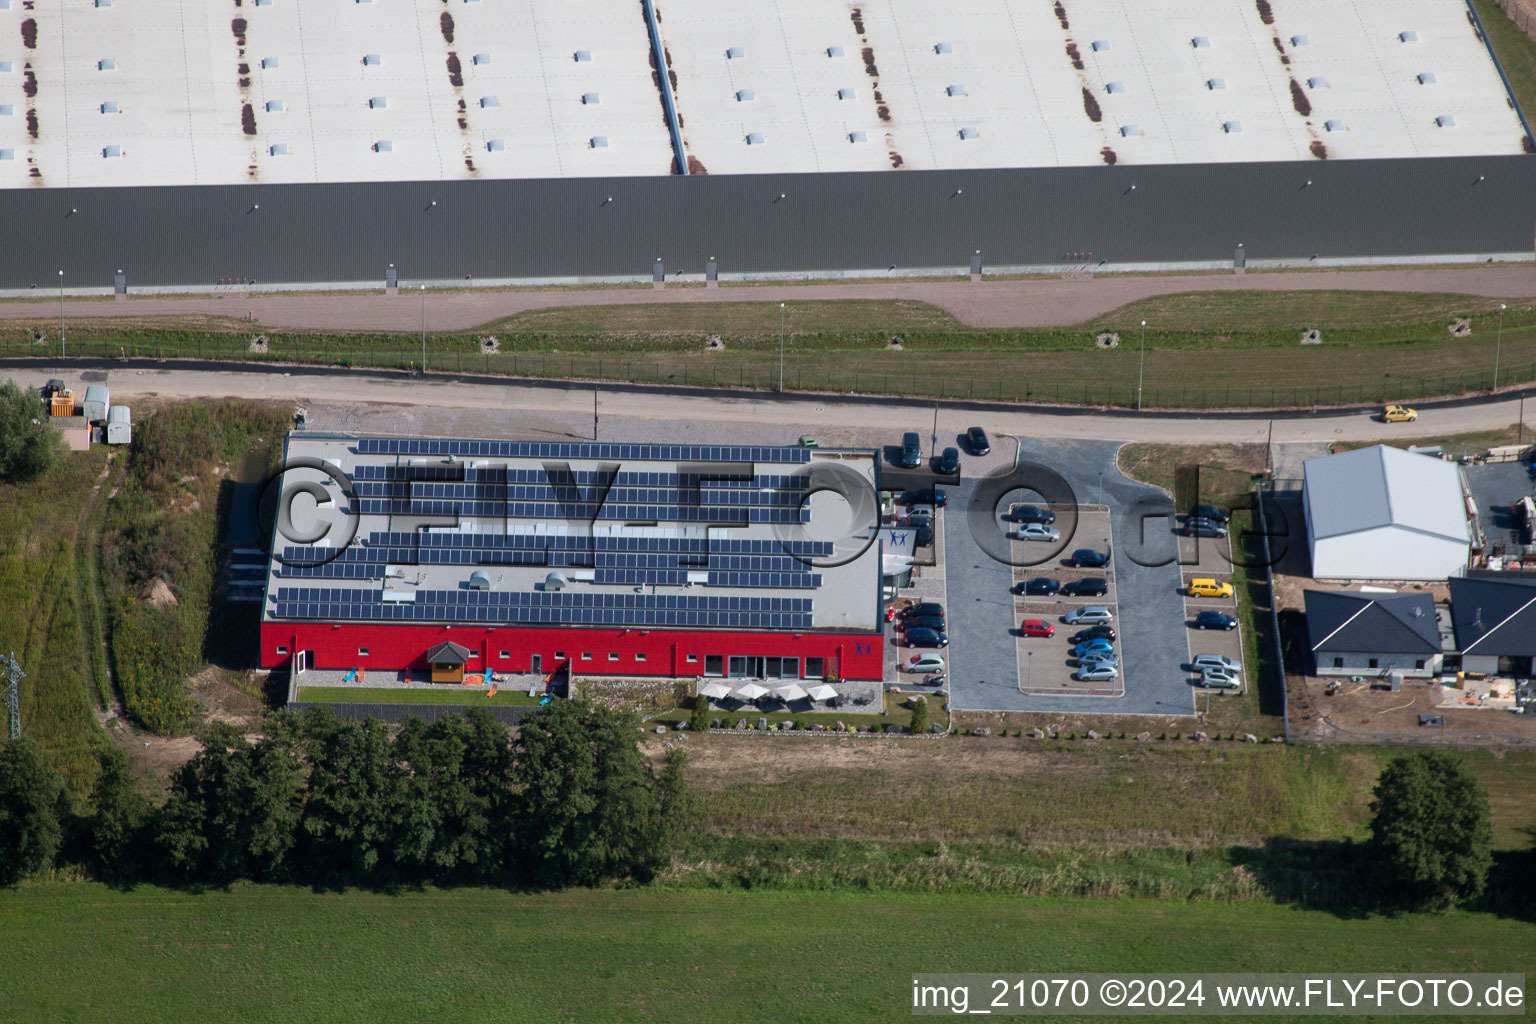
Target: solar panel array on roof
<point>463,448</point>
<point>547,607</point>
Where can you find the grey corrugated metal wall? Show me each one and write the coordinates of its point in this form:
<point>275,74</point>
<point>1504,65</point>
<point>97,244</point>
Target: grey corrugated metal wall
<point>549,228</point>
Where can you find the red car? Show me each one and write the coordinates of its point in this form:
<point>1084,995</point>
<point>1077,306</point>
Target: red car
<point>1037,627</point>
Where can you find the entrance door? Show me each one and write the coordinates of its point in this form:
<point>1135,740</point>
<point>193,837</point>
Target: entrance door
<point>536,664</point>
<point>301,662</point>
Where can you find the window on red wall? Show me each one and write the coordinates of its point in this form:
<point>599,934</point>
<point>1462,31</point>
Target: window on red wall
<point>282,649</point>
<point>362,652</point>
<point>714,664</point>
<point>693,659</point>
<point>613,655</point>
<point>506,654</point>
<point>815,668</point>
<point>640,656</point>
<point>586,655</point>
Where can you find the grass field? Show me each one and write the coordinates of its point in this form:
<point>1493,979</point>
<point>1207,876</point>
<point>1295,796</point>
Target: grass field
<point>1204,349</point>
<point>392,695</point>
<point>88,953</point>
<point>1516,51</point>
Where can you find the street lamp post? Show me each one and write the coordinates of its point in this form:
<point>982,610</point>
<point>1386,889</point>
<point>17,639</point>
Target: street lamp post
<point>1498,339</point>
<point>781,348</point>
<point>61,314</point>
<point>1142,365</point>
<point>423,329</point>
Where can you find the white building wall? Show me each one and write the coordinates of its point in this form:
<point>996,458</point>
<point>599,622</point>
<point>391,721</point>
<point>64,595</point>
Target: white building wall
<point>1386,553</point>
<point>1359,664</point>
<point>1484,664</point>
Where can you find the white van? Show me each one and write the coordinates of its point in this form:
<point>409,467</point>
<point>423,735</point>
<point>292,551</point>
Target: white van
<point>1088,615</point>
<point>928,662</point>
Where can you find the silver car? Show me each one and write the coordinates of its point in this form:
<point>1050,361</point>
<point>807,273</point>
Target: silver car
<point>1088,615</point>
<point>1097,673</point>
<point>1096,659</point>
<point>1038,531</point>
<point>1217,661</point>
<point>1216,679</point>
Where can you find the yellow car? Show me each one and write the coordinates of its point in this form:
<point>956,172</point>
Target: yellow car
<point>1398,414</point>
<point>1210,588</point>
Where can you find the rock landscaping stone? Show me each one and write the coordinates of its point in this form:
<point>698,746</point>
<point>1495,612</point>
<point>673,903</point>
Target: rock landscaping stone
<point>1107,341</point>
<point>982,730</point>
<point>1090,735</point>
<point>1312,337</point>
<point>840,727</point>
<point>661,729</point>
<point>1037,734</point>
<point>1143,737</point>
<point>935,728</point>
<point>1249,737</point>
<point>1199,737</point>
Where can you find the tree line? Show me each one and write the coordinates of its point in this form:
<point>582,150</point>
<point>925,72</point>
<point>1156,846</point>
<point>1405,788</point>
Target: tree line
<point>320,801</point>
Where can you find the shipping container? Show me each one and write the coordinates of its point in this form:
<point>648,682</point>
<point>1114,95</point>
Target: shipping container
<point>119,425</point>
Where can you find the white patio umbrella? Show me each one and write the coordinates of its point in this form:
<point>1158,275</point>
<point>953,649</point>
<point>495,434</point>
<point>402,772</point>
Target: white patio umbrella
<point>714,691</point>
<point>822,692</point>
<point>750,691</point>
<point>789,691</point>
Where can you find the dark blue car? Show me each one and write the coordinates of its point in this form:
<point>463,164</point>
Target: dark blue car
<point>923,637</point>
<point>1042,586</point>
<point>1088,558</point>
<point>1214,620</point>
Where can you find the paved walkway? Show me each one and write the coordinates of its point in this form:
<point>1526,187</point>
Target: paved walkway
<point>1044,302</point>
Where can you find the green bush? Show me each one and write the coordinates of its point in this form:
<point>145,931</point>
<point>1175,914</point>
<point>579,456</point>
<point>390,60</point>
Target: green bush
<point>28,443</point>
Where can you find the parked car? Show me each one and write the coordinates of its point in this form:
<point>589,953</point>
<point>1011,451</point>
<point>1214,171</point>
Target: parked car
<point>1088,558</point>
<point>1088,615</point>
<point>947,462</point>
<point>1217,680</point>
<point>1030,514</point>
<point>1214,620</point>
<point>1218,661</point>
<point>919,516</point>
<point>1040,586</point>
<point>911,451</point>
<point>922,536</point>
<point>808,441</point>
<point>1206,587</point>
<point>1210,512</point>
<point>933,622</point>
<point>928,662</point>
<point>1092,645</point>
<point>1094,633</point>
<point>925,637</point>
<point>1091,586</point>
<point>1097,673</point>
<point>1204,528</point>
<point>923,608</point>
<point>976,438</point>
<point>1098,659</point>
<point>1398,414</point>
<point>1038,531</point>
<point>1037,627</point>
<point>925,496</point>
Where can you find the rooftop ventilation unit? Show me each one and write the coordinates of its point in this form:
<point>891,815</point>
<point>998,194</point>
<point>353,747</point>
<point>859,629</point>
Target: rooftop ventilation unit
<point>109,107</point>
<point>7,110</point>
<point>745,95</point>
<point>263,3</point>
<point>1232,127</point>
<point>555,581</point>
<point>1114,87</point>
<point>274,106</point>
<point>107,64</point>
<point>599,142</point>
<point>378,102</point>
<point>1317,83</point>
<point>495,145</point>
<point>955,90</point>
<point>7,154</point>
<point>482,58</point>
<point>278,149</point>
<point>1445,121</point>
<point>479,580</point>
<point>969,133</point>
<point>845,94</point>
<point>109,152</point>
<point>6,67</point>
<point>491,101</point>
<point>1100,45</point>
<point>1408,37</point>
<point>857,137</point>
<point>581,56</point>
<point>1333,126</point>
<point>371,60</point>
<point>1128,130</point>
<point>834,51</point>
<point>1427,78</point>
<point>1200,42</point>
<point>735,53</point>
<point>589,99</point>
<point>268,62</point>
<point>1300,41</point>
<point>755,139</point>
<point>1215,83</point>
<point>383,146</point>
<point>103,3</point>
<point>943,48</point>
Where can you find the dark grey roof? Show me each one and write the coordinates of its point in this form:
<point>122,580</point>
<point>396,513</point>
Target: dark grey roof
<point>1355,622</point>
<point>873,220</point>
<point>448,653</point>
<point>1494,616</point>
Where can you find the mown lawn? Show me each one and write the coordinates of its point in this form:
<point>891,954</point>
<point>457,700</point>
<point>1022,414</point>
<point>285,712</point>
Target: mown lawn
<point>88,953</point>
<point>392,695</point>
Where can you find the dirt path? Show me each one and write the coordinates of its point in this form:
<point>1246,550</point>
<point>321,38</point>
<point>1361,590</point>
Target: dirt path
<point>1008,303</point>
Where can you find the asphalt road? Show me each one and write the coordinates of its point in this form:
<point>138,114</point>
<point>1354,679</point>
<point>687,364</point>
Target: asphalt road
<point>1032,302</point>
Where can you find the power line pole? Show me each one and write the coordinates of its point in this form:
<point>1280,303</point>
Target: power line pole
<point>13,695</point>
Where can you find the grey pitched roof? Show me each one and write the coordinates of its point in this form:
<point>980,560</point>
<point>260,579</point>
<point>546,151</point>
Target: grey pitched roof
<point>1350,621</point>
<point>448,653</point>
<point>1382,486</point>
<point>1494,616</point>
